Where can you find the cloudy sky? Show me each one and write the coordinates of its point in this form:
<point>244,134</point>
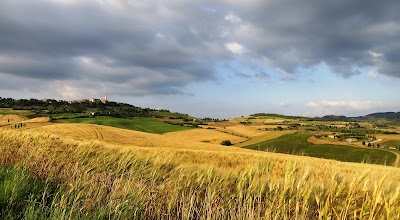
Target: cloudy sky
<point>206,58</point>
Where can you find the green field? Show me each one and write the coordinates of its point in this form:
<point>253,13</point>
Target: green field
<point>297,144</point>
<point>139,124</point>
<point>392,143</point>
<point>10,111</point>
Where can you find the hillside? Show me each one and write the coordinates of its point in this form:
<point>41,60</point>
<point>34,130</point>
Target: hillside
<point>298,144</point>
<point>86,179</point>
<point>383,118</point>
<point>110,167</point>
<point>386,118</point>
<point>85,108</point>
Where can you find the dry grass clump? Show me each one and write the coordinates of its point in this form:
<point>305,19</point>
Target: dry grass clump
<point>102,181</point>
<point>205,135</point>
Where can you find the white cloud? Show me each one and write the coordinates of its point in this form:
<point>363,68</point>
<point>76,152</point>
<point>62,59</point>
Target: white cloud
<point>345,104</point>
<point>372,75</point>
<point>284,104</point>
<point>312,104</point>
<point>348,108</point>
<point>233,18</point>
<point>375,54</point>
<point>67,2</point>
<point>67,92</point>
<point>234,47</point>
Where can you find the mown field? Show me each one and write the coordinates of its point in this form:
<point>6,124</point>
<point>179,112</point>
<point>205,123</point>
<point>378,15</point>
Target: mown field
<point>139,124</point>
<point>46,176</point>
<point>297,144</point>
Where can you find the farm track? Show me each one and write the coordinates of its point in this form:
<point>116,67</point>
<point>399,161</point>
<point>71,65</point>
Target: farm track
<point>397,161</point>
<point>98,133</point>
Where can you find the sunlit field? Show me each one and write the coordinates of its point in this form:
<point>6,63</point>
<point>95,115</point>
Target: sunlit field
<point>86,179</point>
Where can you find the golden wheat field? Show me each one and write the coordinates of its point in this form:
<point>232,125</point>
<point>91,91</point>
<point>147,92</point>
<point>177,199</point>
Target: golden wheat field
<point>173,149</point>
<point>179,180</point>
<point>386,137</point>
<point>38,120</point>
<point>10,119</point>
<point>220,124</point>
<point>205,135</point>
<point>265,136</point>
<point>118,173</point>
<point>244,130</point>
<point>125,137</point>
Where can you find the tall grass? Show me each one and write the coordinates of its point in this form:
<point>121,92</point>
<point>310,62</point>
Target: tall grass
<point>96,182</point>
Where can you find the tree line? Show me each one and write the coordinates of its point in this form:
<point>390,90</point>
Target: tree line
<point>52,106</point>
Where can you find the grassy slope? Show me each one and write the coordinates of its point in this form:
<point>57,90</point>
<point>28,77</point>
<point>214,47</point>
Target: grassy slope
<point>297,144</point>
<point>139,124</point>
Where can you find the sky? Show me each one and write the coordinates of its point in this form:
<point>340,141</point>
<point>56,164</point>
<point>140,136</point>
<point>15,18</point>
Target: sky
<point>215,59</point>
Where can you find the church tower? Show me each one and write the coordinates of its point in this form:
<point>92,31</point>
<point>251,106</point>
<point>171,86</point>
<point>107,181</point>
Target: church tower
<point>104,100</point>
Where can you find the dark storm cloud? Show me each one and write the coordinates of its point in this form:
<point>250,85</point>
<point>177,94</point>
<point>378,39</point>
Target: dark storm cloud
<point>144,47</point>
<point>293,34</point>
<point>155,48</point>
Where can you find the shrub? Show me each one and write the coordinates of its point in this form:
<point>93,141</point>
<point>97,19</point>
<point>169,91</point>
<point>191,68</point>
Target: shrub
<point>226,143</point>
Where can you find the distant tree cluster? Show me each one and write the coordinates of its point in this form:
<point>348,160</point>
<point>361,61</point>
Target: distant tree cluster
<point>52,106</point>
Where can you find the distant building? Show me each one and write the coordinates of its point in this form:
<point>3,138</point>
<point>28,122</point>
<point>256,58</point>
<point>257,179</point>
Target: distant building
<point>94,100</point>
<point>78,101</point>
<point>104,100</point>
<point>91,100</point>
<point>351,140</point>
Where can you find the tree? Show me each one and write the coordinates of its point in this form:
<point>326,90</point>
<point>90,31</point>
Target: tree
<point>226,143</point>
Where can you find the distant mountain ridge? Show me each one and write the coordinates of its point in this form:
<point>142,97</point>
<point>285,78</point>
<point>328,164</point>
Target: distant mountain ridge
<point>378,117</point>
<point>389,115</point>
<point>384,118</point>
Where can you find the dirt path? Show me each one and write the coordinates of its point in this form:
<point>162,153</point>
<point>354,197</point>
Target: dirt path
<point>372,142</point>
<point>397,161</point>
